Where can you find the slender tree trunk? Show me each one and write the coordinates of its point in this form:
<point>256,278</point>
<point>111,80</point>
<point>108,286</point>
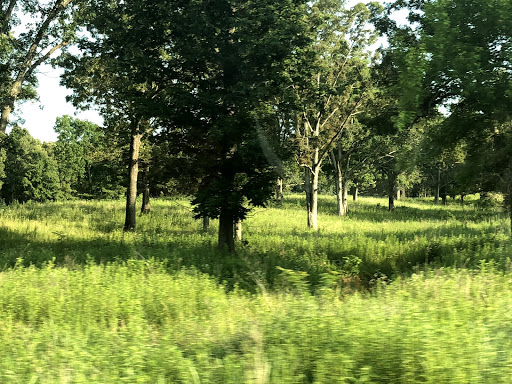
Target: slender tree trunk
<point>311,187</point>
<point>339,197</point>
<point>438,187</point>
<point>238,230</point>
<point>206,224</point>
<point>339,190</point>
<point>391,201</point>
<point>355,193</point>
<point>398,193</point>
<point>340,185</point>
<point>510,208</point>
<point>462,199</point>
<point>89,178</point>
<point>403,192</point>
<point>312,173</point>
<point>133,170</point>
<point>226,239</point>
<point>279,191</point>
<point>444,194</point>
<point>391,189</point>
<point>344,196</point>
<point>145,208</point>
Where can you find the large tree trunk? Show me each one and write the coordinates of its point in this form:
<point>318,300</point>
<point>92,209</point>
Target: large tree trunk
<point>391,201</point>
<point>145,208</point>
<point>238,230</point>
<point>7,108</point>
<point>4,118</point>
<point>133,170</point>
<point>402,192</point>
<point>226,239</point>
<point>398,193</point>
<point>279,191</point>
<point>391,189</point>
<point>311,187</point>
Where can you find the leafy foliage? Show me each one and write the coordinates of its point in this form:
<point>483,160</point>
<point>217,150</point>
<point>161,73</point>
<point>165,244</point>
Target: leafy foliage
<point>88,162</point>
<point>29,173</point>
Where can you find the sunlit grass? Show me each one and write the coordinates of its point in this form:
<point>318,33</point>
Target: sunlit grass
<point>419,295</point>
<point>136,323</point>
<point>369,242</point>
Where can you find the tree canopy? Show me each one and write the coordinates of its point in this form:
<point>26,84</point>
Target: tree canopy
<point>225,100</point>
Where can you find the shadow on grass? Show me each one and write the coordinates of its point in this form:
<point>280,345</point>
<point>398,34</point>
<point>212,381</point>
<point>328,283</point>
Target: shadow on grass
<point>183,246</point>
<point>246,269</point>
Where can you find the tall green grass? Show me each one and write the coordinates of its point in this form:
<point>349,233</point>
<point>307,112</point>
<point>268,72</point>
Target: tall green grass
<point>419,295</point>
<point>370,243</point>
<point>135,323</point>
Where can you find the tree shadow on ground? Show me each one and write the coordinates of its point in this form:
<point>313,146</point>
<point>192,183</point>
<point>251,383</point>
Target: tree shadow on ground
<point>25,249</point>
<point>250,268</point>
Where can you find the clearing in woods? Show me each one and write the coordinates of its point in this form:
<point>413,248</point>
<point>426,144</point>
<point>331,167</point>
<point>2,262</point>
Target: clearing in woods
<point>422,294</point>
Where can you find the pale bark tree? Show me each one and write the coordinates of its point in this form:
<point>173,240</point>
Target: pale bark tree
<point>279,191</point>
<point>438,187</point>
<point>337,90</point>
<point>316,141</point>
<point>48,36</point>
<point>341,167</point>
<point>392,188</point>
<point>238,230</point>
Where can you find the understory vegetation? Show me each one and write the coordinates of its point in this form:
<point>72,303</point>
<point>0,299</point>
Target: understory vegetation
<point>419,295</point>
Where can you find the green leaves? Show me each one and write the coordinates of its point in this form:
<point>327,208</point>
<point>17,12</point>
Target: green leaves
<point>29,173</point>
<point>335,77</point>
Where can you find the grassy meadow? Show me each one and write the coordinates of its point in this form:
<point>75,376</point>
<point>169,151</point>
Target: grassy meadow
<point>419,295</point>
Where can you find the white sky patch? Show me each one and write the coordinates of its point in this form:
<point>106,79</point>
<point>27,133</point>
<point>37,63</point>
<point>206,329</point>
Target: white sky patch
<point>39,116</point>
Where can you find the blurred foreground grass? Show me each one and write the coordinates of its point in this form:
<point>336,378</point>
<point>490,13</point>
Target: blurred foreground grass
<point>420,295</point>
<point>135,323</point>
